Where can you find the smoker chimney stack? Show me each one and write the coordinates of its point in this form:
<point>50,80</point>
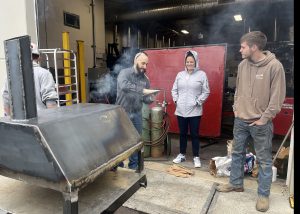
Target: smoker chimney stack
<point>20,78</point>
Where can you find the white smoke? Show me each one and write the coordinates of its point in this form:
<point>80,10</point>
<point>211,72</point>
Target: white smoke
<point>106,86</point>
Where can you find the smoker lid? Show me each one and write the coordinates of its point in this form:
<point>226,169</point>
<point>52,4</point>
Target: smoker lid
<point>67,142</point>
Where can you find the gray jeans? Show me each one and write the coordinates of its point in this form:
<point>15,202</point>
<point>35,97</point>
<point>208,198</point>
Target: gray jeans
<point>262,136</point>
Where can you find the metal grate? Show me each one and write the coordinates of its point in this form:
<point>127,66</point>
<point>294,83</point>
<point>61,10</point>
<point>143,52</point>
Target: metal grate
<point>54,58</point>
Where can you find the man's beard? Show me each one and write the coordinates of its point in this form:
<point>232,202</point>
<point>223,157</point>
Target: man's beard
<point>140,70</point>
<point>248,55</point>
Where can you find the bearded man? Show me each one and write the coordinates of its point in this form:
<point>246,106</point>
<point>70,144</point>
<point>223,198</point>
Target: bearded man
<point>132,91</point>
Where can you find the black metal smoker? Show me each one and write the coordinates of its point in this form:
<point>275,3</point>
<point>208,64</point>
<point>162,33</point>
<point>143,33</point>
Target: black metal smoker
<point>64,148</point>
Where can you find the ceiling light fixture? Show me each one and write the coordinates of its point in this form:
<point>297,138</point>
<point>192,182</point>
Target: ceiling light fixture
<point>238,17</point>
<point>184,32</point>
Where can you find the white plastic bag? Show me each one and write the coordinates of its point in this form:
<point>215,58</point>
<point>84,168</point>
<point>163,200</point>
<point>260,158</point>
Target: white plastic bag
<point>223,165</point>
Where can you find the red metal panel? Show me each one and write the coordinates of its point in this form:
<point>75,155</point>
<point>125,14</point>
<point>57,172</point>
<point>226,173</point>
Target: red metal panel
<point>283,119</point>
<point>164,64</point>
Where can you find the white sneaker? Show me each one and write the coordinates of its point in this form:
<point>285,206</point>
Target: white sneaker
<point>197,162</point>
<point>180,158</point>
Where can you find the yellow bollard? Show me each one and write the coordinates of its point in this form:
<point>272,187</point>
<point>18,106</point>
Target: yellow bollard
<point>67,66</point>
<point>82,86</point>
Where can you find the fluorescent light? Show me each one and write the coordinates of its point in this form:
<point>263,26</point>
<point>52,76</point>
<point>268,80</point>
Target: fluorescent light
<point>184,32</point>
<point>238,17</point>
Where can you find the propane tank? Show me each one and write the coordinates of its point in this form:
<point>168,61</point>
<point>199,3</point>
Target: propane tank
<point>157,149</point>
<point>146,129</point>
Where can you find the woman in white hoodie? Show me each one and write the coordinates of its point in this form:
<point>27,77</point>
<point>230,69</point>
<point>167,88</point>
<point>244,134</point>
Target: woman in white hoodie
<point>189,92</point>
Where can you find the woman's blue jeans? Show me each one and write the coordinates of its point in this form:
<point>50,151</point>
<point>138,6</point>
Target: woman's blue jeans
<point>262,136</point>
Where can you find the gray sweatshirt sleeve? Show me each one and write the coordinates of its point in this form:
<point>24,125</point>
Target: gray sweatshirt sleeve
<point>147,99</point>
<point>47,90</point>
<point>5,95</point>
<point>126,85</point>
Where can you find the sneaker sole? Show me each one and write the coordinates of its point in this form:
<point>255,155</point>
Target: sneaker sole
<point>262,210</point>
<point>238,190</point>
<point>178,162</point>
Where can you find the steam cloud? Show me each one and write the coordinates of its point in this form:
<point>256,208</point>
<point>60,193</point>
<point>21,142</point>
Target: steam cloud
<point>222,27</point>
<point>105,88</point>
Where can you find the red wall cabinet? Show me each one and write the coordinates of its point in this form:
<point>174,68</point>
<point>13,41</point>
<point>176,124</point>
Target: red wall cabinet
<point>283,119</point>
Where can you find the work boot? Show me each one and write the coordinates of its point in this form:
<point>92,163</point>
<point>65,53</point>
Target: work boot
<point>229,188</point>
<point>262,203</point>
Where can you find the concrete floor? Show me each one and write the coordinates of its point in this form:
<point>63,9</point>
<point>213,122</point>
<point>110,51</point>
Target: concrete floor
<point>165,193</point>
<point>168,194</point>
<point>18,197</point>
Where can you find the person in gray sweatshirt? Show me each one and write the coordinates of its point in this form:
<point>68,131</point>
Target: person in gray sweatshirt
<point>45,93</point>
<point>132,91</point>
<point>189,92</point>
<point>259,95</point>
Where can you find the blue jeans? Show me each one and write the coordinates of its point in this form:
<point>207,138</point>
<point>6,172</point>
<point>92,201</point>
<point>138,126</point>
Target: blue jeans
<point>262,136</point>
<point>137,121</point>
<point>194,123</point>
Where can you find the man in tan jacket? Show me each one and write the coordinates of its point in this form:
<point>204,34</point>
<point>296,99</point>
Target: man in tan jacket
<point>260,93</point>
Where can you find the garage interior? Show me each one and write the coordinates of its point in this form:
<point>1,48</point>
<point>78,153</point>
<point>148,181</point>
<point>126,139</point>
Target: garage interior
<point>167,25</point>
<point>157,24</point>
<point>151,24</point>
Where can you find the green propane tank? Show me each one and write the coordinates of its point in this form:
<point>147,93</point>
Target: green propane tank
<point>157,114</point>
<point>146,130</point>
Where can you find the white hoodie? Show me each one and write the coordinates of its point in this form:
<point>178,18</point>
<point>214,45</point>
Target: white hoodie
<point>190,91</point>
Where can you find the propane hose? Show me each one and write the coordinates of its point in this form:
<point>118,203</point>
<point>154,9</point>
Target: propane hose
<point>165,127</point>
